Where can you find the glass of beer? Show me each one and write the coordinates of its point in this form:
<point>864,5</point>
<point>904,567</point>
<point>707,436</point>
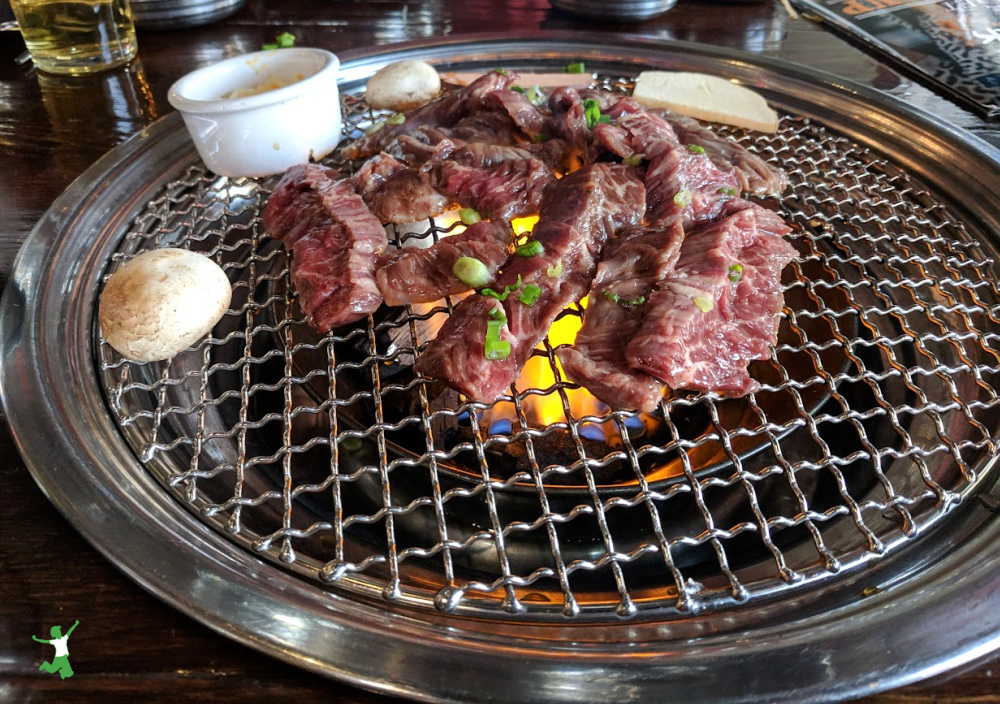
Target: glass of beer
<point>76,36</point>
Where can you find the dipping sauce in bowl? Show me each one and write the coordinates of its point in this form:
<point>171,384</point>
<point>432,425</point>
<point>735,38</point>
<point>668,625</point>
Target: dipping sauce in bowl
<point>260,113</point>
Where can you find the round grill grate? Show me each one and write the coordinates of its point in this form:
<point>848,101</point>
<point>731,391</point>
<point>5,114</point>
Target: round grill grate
<point>325,454</point>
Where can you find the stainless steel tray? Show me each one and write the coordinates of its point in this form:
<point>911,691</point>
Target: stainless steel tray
<point>888,580</point>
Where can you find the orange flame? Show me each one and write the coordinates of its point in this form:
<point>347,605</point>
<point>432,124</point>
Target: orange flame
<point>545,409</point>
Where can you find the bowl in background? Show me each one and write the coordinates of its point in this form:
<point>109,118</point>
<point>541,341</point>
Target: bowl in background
<point>260,113</point>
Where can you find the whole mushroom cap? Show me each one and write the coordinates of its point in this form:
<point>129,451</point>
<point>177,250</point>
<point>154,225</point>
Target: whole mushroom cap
<point>162,302</point>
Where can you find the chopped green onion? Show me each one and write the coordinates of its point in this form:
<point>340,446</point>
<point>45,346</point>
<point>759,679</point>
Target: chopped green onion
<point>615,298</point>
<point>683,198</point>
<point>530,294</point>
<point>397,119</point>
<point>736,272</point>
<point>469,216</point>
<point>530,249</point>
<point>633,160</point>
<point>728,191</point>
<point>517,89</point>
<point>502,71</point>
<point>696,148</point>
<point>606,119</point>
<point>493,329</point>
<point>268,47</point>
<point>490,293</point>
<point>494,347</point>
<point>592,112</point>
<point>497,349</point>
<point>286,40</point>
<point>374,127</point>
<point>578,67</point>
<point>471,272</point>
<point>540,137</point>
<point>554,270</point>
<point>704,303</point>
<point>535,95</point>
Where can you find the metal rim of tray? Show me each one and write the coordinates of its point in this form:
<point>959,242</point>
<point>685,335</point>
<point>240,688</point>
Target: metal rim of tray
<point>935,607</point>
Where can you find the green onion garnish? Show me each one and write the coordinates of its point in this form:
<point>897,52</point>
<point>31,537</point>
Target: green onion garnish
<point>535,95</point>
<point>683,198</point>
<point>469,216</point>
<point>592,112</point>
<point>530,294</point>
<point>633,160</point>
<point>397,119</point>
<point>728,191</point>
<point>554,270</point>
<point>498,314</point>
<point>490,293</point>
<point>696,148</point>
<point>503,71</point>
<point>471,272</point>
<point>374,127</point>
<point>497,349</point>
<point>704,303</point>
<point>517,89</point>
<point>285,40</point>
<point>606,119</point>
<point>615,298</point>
<point>530,249</point>
<point>493,329</point>
<point>540,137</point>
<point>736,272</point>
<point>575,68</point>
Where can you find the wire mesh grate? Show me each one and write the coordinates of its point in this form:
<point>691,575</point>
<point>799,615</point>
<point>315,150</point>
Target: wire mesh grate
<point>325,454</point>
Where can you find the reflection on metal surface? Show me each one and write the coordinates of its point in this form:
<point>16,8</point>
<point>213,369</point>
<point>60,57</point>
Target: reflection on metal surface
<point>273,475</point>
<point>121,98</point>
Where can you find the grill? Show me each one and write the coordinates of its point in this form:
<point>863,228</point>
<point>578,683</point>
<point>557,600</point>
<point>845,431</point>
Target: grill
<point>325,456</point>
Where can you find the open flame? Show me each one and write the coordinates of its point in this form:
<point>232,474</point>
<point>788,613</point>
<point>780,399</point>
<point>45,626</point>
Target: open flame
<point>540,409</point>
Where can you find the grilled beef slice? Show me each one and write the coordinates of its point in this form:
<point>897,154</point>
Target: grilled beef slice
<point>579,213</point>
<point>334,240</point>
<point>701,328</point>
<point>413,275</point>
<point>616,308</point>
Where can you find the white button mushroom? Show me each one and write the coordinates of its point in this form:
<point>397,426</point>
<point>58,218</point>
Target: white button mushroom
<point>403,85</point>
<point>162,302</point>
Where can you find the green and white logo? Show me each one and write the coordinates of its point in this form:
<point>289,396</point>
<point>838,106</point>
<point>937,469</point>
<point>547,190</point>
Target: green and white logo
<point>60,663</point>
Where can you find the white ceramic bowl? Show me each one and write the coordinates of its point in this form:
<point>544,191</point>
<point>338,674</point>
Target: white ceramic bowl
<point>268,132</point>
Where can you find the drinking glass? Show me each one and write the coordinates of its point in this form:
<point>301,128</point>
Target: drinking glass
<point>76,36</point>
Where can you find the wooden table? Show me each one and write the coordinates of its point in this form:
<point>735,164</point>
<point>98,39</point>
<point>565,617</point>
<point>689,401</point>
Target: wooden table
<point>51,129</point>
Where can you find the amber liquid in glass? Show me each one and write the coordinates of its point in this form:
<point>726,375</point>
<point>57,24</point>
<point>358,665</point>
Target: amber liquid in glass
<point>76,36</point>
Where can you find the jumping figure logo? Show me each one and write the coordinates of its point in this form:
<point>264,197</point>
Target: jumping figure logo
<point>60,663</point>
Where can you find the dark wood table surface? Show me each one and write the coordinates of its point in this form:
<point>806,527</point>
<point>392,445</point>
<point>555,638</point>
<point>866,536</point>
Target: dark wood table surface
<point>51,129</point>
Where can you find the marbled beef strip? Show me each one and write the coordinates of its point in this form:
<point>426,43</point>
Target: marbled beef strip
<point>334,240</point>
<point>702,329</point>
<point>631,269</point>
<point>414,275</point>
<point>579,213</point>
<point>528,118</point>
<point>398,193</point>
<point>509,190</point>
<point>442,112</point>
<point>755,175</point>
